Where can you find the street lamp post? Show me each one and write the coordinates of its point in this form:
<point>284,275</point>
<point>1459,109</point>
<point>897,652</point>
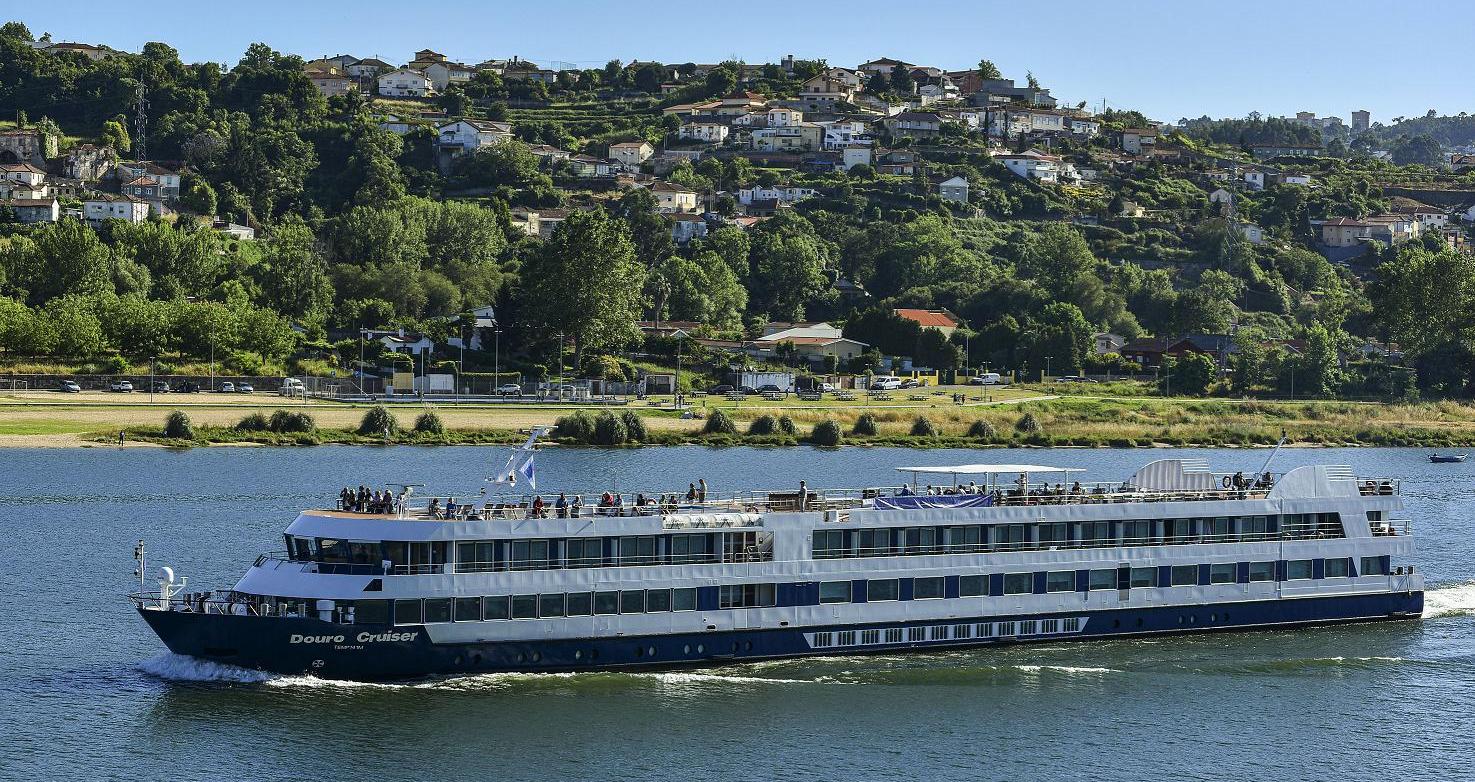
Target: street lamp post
<point>359,377</point>
<point>676,392</point>
<point>152,362</point>
<point>496,358</point>
<point>461,365</point>
<point>1047,368</point>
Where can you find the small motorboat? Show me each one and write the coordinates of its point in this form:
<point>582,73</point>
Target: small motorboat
<point>1439,458</point>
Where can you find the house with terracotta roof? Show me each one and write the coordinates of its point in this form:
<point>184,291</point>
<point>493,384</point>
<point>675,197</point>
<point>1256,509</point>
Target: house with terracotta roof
<point>942,320</point>
<point>32,210</point>
<point>444,73</point>
<point>168,179</point>
<point>106,206</point>
<point>671,197</point>
<point>921,124</point>
<point>882,66</point>
<point>631,153</point>
<point>331,81</point>
<point>1134,140</point>
<point>1032,165</point>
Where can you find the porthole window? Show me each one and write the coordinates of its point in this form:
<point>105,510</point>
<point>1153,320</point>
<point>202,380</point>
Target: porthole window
<point>748,647</point>
<point>651,651</point>
<point>578,654</point>
<point>686,649</point>
<point>521,658</point>
<point>639,651</point>
<point>1180,620</point>
<point>537,656</point>
<point>735,646</point>
<point>699,649</point>
<point>1115,623</point>
<point>457,661</point>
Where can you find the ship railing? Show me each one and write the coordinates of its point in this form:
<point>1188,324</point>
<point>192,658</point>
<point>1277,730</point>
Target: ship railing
<point>1061,545</point>
<point>1379,487</point>
<point>526,507</point>
<point>210,602</point>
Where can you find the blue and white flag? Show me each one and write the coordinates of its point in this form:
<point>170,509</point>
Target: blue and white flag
<point>528,474</point>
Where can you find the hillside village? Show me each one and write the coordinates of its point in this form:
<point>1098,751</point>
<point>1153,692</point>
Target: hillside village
<point>889,216</point>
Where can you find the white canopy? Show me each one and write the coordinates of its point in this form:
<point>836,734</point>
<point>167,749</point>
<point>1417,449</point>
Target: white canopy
<point>989,469</point>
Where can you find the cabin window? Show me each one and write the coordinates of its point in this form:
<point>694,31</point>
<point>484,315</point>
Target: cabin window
<point>1136,533</point>
<point>1071,624</point>
<point>524,606</point>
<point>1254,527</point>
<point>916,633</point>
<point>1178,530</point>
<point>1008,628</point>
<point>834,591</point>
<point>1095,533</point>
<point>893,635</point>
<point>684,599</point>
<point>585,552</point>
<point>829,544</point>
<point>1019,583</point>
<point>1329,525</point>
<point>972,586</point>
<point>846,638</point>
<point>529,554</point>
<point>550,605</point>
<point>437,609</point>
<point>495,608</point>
<point>1060,581</point>
<point>580,603</point>
<point>694,548</point>
<point>1341,567</point>
<point>632,601</point>
<point>927,588</point>
<point>919,540</point>
<point>1053,534</point>
<point>870,636</point>
<point>883,589</point>
<point>1029,627</point>
<point>1103,579</point>
<point>468,609</point>
<point>964,540</point>
<point>606,602</point>
<point>1222,573</point>
<point>1008,537</point>
<point>1185,575</point>
<point>1262,571</point>
<point>408,612</point>
<point>873,542</point>
<point>476,556</point>
<point>1374,566</point>
<point>962,631</point>
<point>1223,530</point>
<point>1144,577</point>
<point>1298,569</point>
<point>638,550</point>
<point>746,595</point>
<point>371,612</point>
<point>657,600</point>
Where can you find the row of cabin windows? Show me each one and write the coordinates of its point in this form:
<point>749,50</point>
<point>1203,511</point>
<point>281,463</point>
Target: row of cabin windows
<point>977,538</point>
<point>544,606</point>
<point>479,556</point>
<point>954,632</point>
<point>935,587</point>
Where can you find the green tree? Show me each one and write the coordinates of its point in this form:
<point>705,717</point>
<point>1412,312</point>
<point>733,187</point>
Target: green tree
<point>115,135</point>
<point>585,282</point>
<point>1189,375</point>
<point>292,273</point>
<point>987,70</point>
<point>901,80</point>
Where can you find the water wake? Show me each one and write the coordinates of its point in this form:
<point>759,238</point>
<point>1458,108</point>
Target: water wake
<point>182,668</point>
<point>1452,600</point>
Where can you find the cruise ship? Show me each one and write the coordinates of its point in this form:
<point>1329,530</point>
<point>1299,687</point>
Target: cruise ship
<point>949,556</point>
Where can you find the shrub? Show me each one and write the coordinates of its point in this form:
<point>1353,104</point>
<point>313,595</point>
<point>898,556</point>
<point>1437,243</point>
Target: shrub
<point>377,421</point>
<point>578,427</point>
<point>285,421</point>
<point>635,426</point>
<point>178,426</point>
<point>609,429</point>
<point>786,426</point>
<point>255,422</point>
<point>1028,424</point>
<point>982,430</point>
<point>865,426</point>
<point>826,432</point>
<point>116,365</point>
<point>429,422</point>
<point>763,426</point>
<point>922,427</point>
<point>719,423</point>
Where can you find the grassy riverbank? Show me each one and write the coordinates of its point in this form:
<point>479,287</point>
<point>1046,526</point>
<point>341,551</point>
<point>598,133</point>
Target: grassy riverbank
<point>996,421</point>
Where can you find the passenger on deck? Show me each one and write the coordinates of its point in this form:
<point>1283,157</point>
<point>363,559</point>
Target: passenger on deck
<point>803,496</point>
<point>701,490</point>
<point>561,506</point>
<point>1076,488</point>
<point>538,506</point>
<point>905,491</point>
<point>434,510</point>
<point>578,502</point>
<point>691,492</point>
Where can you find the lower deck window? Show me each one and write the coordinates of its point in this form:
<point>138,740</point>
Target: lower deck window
<point>407,612</point>
<point>824,639</point>
<point>1222,574</point>
<point>1103,579</point>
<point>1185,575</point>
<point>893,635</point>
<point>1144,577</point>
<point>882,589</point>
<point>745,595</point>
<point>1340,567</point>
<point>834,591</point>
<point>1262,571</point>
<point>1060,581</point>
<point>927,588</point>
<point>524,606</point>
<point>972,586</point>
<point>438,609</point>
<point>1019,583</point>
<point>1374,566</point>
<point>1298,569</point>
<point>468,609</point>
<point>870,636</point>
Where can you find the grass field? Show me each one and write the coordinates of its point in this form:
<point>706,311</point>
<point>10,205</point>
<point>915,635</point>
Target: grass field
<point>1059,419</point>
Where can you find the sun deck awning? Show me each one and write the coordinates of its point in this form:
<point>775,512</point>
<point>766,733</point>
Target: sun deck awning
<point>988,469</point>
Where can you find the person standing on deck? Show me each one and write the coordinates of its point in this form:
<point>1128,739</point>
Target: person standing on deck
<point>701,490</point>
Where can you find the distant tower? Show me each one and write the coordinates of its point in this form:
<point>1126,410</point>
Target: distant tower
<point>141,125</point>
<point>1361,121</point>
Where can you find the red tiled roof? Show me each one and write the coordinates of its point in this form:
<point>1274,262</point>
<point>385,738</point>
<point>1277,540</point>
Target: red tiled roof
<point>929,318</point>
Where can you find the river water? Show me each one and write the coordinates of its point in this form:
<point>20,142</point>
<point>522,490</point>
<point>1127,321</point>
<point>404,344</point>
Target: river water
<point>87,692</point>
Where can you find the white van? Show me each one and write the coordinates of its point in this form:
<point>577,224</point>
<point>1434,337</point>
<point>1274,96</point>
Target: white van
<point>290,387</point>
<point>885,383</point>
<point>986,379</point>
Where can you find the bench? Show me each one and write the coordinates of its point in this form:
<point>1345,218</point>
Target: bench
<point>735,396</point>
<point>881,396</point>
<point>845,396</point>
<point>774,396</point>
<point>810,396</point>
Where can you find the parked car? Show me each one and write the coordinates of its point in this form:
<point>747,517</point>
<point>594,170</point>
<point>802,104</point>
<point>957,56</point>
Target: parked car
<point>827,388</point>
<point>749,390</point>
<point>910,382</point>
<point>509,389</point>
<point>188,387</point>
<point>69,387</point>
<point>769,388</point>
<point>227,387</point>
<point>245,388</point>
<point>121,386</point>
<point>290,387</point>
<point>720,389</point>
<point>160,387</point>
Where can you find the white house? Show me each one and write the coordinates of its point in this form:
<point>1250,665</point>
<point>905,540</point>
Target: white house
<point>32,210</point>
<point>114,207</point>
<point>1252,233</point>
<point>781,117</point>
<point>1032,165</point>
<point>405,83</point>
<point>168,179</point>
<point>402,342</point>
<point>954,190</point>
<point>784,195</point>
<point>1135,139</point>
<point>685,227</point>
<point>469,135</point>
<point>829,89</point>
<point>709,132</point>
<point>23,174</point>
<point>1254,178</point>
<point>1296,179</point>
<point>1084,126</point>
<point>444,74</point>
<point>805,136</point>
<point>855,156</point>
<point>631,153</point>
<point>841,133</point>
<point>672,197</point>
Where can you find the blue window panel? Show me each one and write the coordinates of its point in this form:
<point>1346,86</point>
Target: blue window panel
<point>906,589</point>
<point>996,584</point>
<point>1203,575</point>
<point>858,591</point>
<point>1280,570</point>
<point>950,587</point>
<point>1165,575</point>
<point>789,594</point>
<point>1039,582</point>
<point>1318,568</point>
<point>1124,577</point>
<point>1242,573</point>
<point>1083,580</point>
<point>707,598</point>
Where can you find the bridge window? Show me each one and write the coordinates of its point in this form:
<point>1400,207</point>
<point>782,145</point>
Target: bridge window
<point>1262,571</point>
<point>927,588</point>
<point>1019,583</point>
<point>1060,581</point>
<point>972,586</point>
<point>408,612</point>
<point>1341,567</point>
<point>1222,573</point>
<point>332,551</point>
<point>834,591</point>
<point>883,589</point>
<point>1298,569</point>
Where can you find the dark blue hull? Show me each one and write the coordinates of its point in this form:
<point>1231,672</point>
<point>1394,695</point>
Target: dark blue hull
<point>299,645</point>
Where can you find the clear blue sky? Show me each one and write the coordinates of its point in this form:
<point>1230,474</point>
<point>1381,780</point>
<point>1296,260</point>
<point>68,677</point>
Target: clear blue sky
<point>1168,59</point>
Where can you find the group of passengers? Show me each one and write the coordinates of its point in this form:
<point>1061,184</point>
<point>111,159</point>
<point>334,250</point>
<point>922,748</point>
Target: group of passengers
<point>365,500</point>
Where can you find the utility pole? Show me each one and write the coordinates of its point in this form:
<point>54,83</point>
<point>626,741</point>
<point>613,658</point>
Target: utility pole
<point>360,376</point>
<point>496,357</point>
<point>140,124</point>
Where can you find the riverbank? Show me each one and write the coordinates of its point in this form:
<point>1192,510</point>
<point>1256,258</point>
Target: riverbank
<point>1020,420</point>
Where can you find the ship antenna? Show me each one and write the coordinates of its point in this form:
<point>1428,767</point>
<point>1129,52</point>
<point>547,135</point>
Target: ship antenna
<point>1264,468</point>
